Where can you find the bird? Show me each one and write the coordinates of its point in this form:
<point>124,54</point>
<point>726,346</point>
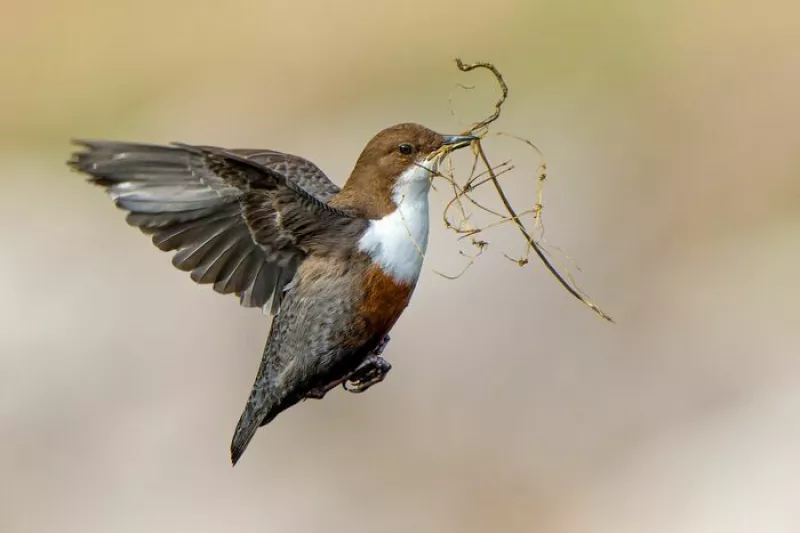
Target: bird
<point>335,266</point>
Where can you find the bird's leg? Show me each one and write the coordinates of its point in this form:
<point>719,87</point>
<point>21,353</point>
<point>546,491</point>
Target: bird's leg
<point>320,392</point>
<point>381,346</point>
<point>372,370</point>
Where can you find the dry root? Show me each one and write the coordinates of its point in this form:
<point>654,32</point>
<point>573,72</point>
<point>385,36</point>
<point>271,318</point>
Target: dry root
<point>461,208</point>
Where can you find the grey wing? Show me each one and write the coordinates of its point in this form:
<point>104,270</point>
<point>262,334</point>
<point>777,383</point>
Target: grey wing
<point>171,193</point>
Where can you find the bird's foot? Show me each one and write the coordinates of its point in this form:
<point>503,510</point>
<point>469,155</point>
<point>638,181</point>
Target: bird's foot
<point>371,371</point>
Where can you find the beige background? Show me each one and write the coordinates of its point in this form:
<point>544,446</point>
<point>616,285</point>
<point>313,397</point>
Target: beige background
<point>671,130</point>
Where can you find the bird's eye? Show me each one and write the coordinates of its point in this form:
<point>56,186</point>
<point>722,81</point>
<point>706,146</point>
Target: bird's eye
<point>405,149</point>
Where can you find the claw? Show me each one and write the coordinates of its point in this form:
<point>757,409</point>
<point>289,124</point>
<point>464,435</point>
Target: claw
<point>371,372</point>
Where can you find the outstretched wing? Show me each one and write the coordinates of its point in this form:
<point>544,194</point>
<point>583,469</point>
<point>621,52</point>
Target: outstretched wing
<point>220,211</point>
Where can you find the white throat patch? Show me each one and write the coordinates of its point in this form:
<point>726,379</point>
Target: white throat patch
<point>397,242</point>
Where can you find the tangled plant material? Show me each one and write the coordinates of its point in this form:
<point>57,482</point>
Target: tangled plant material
<point>463,205</point>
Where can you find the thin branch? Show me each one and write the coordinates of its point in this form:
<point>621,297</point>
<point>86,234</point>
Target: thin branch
<point>574,291</point>
<point>461,223</point>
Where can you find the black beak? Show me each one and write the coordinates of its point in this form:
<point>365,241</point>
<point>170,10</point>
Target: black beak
<point>459,141</point>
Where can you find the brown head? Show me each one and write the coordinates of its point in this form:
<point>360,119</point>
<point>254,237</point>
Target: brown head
<point>397,161</point>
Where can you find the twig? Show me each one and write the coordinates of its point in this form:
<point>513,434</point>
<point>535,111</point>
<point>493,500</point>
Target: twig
<point>574,291</point>
<point>467,67</point>
<point>491,175</point>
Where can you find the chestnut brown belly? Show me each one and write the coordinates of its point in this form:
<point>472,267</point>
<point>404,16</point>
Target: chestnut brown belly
<point>383,302</point>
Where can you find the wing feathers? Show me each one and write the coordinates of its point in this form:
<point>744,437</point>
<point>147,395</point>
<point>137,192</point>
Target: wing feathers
<point>174,194</point>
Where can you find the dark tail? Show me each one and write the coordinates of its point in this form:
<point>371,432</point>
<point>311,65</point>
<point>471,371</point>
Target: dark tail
<point>256,414</point>
<point>245,430</point>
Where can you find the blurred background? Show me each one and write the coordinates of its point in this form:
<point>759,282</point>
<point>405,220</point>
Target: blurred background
<point>671,131</point>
